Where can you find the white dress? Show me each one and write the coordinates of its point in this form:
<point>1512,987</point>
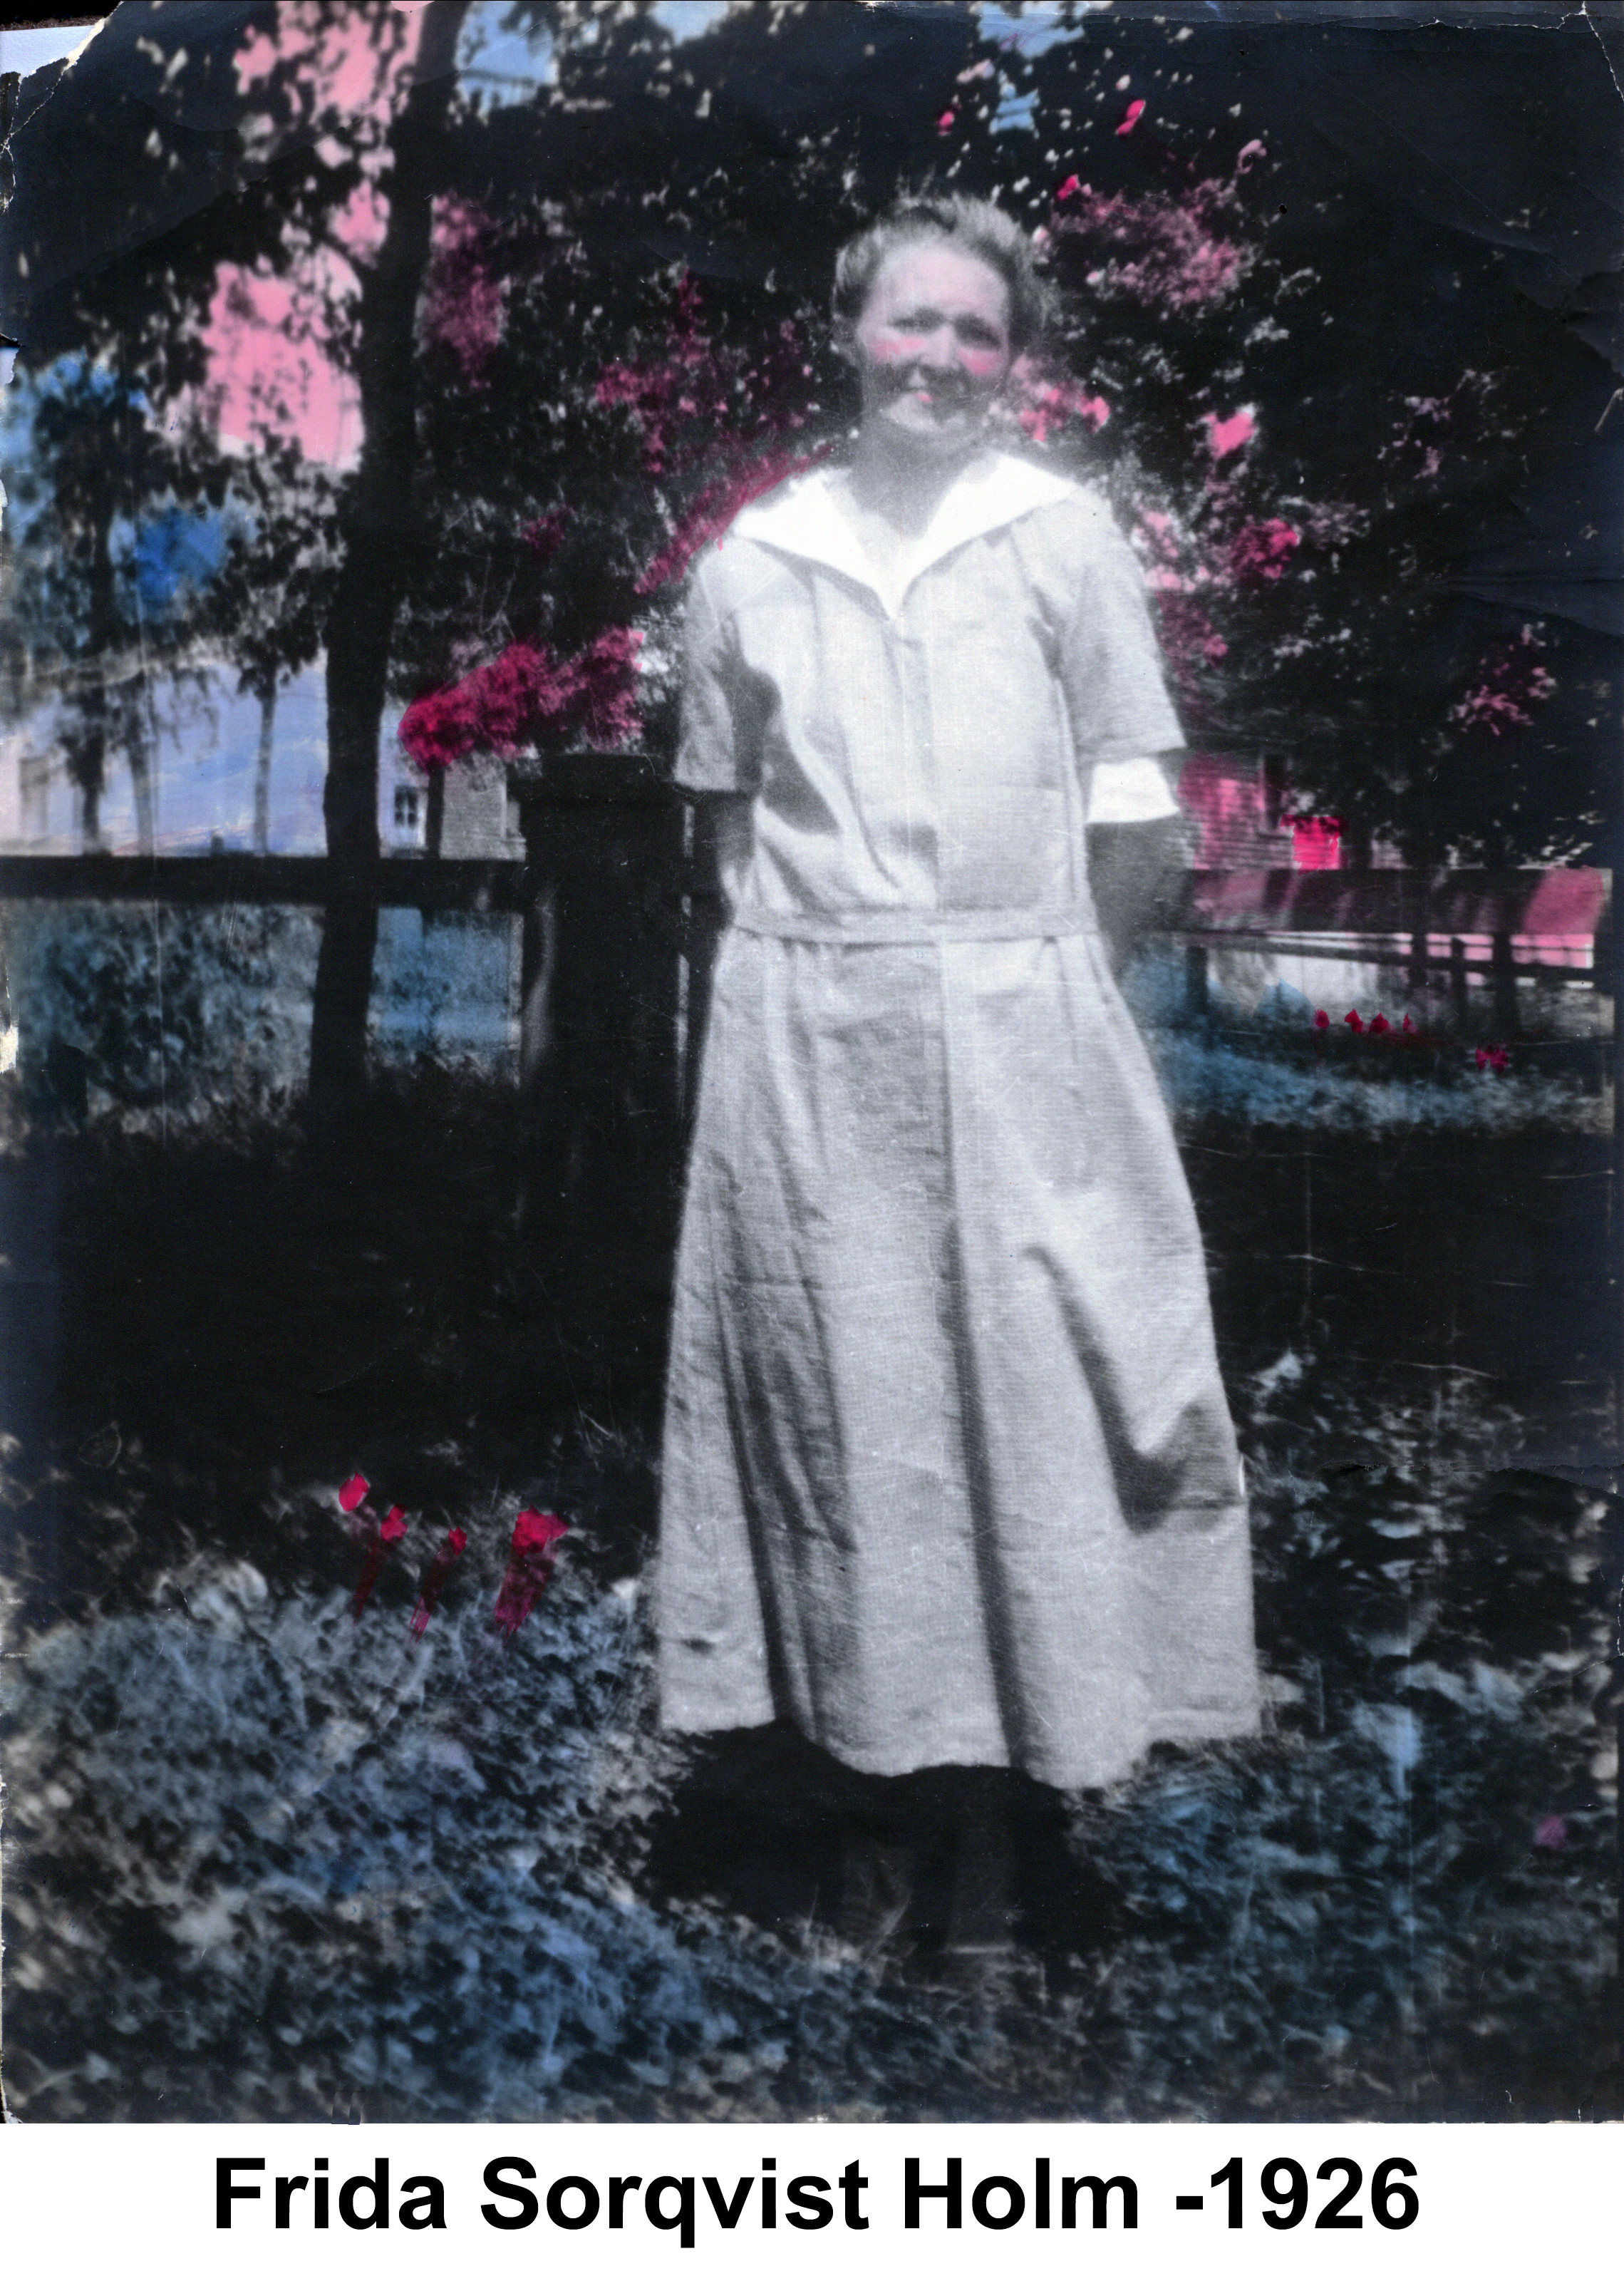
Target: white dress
<point>949,1474</point>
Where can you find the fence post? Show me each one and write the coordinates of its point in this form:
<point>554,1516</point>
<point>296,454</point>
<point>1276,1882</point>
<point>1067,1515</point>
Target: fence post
<point>1419,931</point>
<point>599,998</point>
<point>1504,977</point>
<point>1457,977</point>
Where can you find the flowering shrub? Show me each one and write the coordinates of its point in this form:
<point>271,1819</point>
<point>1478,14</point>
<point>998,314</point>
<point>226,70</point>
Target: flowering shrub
<point>464,298</point>
<point>1169,251</point>
<point>526,692</point>
<point>1511,682</point>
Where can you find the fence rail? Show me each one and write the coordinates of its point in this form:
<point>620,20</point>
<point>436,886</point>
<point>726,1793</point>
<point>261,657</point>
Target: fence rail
<point>620,916</point>
<point>399,882</point>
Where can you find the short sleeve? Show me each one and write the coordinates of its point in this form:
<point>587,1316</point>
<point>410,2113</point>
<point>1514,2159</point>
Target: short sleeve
<point>1109,662</point>
<point>715,752</point>
<point>1130,791</point>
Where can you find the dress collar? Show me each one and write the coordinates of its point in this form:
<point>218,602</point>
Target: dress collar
<point>806,518</point>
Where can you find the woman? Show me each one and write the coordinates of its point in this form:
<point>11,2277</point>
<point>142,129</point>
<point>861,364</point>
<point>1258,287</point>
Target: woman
<point>949,1476</point>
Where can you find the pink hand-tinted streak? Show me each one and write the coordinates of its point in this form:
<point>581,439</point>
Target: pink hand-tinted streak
<point>530,1559</point>
<point>268,365</point>
<point>1130,116</point>
<point>388,1531</point>
<point>897,345</point>
<point>261,373</point>
<point>434,1579</point>
<point>717,506</point>
<point>1316,843</point>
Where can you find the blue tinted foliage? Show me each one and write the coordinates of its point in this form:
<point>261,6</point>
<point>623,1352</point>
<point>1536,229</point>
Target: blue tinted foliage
<point>175,550</point>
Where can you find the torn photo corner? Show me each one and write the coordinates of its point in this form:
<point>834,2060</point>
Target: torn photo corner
<point>809,1154</point>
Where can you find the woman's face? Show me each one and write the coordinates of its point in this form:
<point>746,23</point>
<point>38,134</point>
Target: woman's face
<point>933,347</point>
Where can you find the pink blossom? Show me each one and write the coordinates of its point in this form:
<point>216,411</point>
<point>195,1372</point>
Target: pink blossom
<point>1068,189</point>
<point>351,1493</point>
<point>758,392</point>
<point>1353,1022</point>
<point>944,122</point>
<point>1247,152</point>
<point>464,307</point>
<point>1510,681</point>
<point>1130,116</point>
<point>528,693</point>
<point>1322,1020</point>
<point>1226,436</point>
<point>1379,1026</point>
<point>535,1539</point>
<point>1416,440</point>
<point>1160,543</point>
<point>1261,551</point>
<point>1189,635</point>
<point>533,1532</point>
<point>545,535</point>
<point>1167,250</point>
<point>1038,404</point>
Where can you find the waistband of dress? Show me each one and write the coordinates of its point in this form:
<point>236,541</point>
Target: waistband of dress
<point>1036,923</point>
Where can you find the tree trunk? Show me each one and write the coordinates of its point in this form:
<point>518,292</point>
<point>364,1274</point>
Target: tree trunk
<point>262,768</point>
<point>86,738</point>
<point>377,534</point>
<point>90,811</point>
<point>141,789</point>
<point>138,761</point>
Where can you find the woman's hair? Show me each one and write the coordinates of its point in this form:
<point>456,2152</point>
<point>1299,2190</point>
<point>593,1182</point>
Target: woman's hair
<point>977,227</point>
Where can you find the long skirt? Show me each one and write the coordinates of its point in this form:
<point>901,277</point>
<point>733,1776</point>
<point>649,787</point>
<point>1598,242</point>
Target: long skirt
<point>949,1474</point>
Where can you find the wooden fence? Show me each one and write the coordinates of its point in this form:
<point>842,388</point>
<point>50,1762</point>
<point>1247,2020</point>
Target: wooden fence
<point>621,914</point>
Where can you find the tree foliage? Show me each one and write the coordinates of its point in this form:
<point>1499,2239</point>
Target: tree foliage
<point>1345,407</point>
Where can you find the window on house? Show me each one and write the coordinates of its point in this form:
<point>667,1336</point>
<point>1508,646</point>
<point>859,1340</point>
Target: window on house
<point>406,808</point>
